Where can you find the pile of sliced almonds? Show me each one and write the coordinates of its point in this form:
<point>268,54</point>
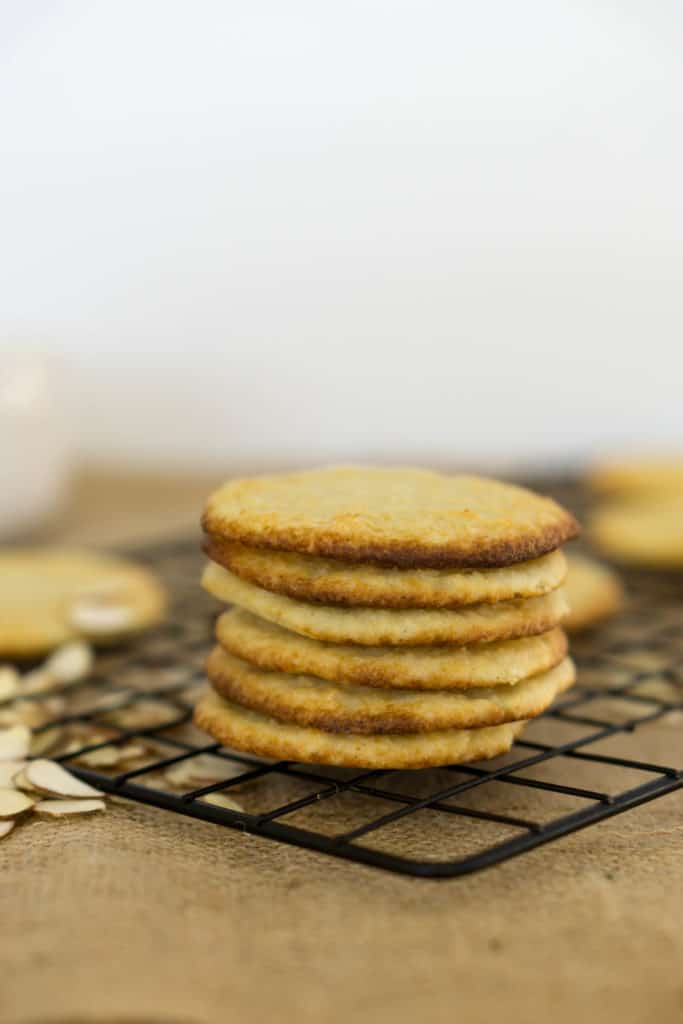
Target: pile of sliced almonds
<point>43,787</point>
<point>38,786</point>
<point>69,664</point>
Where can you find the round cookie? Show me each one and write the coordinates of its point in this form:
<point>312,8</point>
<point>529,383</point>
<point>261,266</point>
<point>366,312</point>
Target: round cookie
<point>593,593</point>
<point>242,729</point>
<point>330,581</point>
<point>337,707</point>
<point>51,595</point>
<point>442,667</point>
<point>378,626</point>
<point>402,517</point>
<point>639,476</point>
<point>645,531</point>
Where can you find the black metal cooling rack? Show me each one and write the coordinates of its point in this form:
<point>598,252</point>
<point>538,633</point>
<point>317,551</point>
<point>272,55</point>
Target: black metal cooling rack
<point>582,762</point>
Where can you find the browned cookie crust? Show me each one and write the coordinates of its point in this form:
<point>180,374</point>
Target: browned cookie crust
<point>436,667</point>
<point>364,584</point>
<point>336,707</point>
<point>403,517</point>
<point>401,627</point>
<point>242,729</point>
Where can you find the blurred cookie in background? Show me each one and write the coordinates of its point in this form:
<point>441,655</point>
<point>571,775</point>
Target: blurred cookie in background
<point>49,595</point>
<point>593,591</point>
<point>637,477</point>
<point>641,521</point>
<point>647,531</point>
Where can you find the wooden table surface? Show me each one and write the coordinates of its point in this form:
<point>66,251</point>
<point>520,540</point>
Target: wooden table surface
<point>139,916</point>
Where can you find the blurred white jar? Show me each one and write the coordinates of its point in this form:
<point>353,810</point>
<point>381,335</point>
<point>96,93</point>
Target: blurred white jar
<point>34,441</point>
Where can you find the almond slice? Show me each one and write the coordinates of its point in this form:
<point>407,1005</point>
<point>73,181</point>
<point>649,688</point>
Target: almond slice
<point>66,808</point>
<point>39,680</point>
<point>9,683</point>
<point>70,663</point>
<point>143,714</point>
<point>6,827</point>
<point>8,771</point>
<point>111,756</point>
<point>199,771</point>
<point>133,752</point>
<point>46,742</point>
<point>14,743</point>
<point>10,717</point>
<point>53,706</point>
<point>50,778</point>
<point>98,616</point>
<point>222,800</point>
<point>21,782</point>
<point>14,804</point>
<point>105,757</point>
<point>110,701</point>
<point>28,712</point>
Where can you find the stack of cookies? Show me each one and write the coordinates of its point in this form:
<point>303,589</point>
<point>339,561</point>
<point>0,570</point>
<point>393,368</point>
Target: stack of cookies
<point>388,618</point>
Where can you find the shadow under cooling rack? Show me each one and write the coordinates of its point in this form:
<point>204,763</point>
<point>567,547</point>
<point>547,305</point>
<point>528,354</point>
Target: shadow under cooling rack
<point>581,762</point>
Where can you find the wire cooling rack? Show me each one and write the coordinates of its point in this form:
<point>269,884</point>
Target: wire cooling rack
<point>601,750</point>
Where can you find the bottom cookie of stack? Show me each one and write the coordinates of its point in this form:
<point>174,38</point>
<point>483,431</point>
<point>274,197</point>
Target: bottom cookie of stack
<point>302,718</point>
<point>241,729</point>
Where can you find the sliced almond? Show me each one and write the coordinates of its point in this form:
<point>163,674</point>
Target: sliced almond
<point>133,752</point>
<point>192,693</point>
<point>14,743</point>
<point>101,616</point>
<point>110,701</point>
<point>46,742</point>
<point>9,683</point>
<point>53,706</point>
<point>222,800</point>
<point>8,771</point>
<point>80,735</point>
<point>77,742</point>
<point>5,828</point>
<point>67,808</point>
<point>199,771</point>
<point>105,757</point>
<point>71,663</point>
<point>13,803</point>
<point>21,782</point>
<point>91,732</point>
<point>111,756</point>
<point>52,779</point>
<point>10,717</point>
<point>143,714</point>
<point>27,712</point>
<point>39,680</point>
<point>659,689</point>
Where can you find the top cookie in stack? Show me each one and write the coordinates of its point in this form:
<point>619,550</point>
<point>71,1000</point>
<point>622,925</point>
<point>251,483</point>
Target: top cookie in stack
<point>386,617</point>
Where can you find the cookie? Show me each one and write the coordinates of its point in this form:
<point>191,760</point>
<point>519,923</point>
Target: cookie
<point>442,667</point>
<point>242,729</point>
<point>377,626</point>
<point>593,592</point>
<point>341,707</point>
<point>640,476</point>
<point>646,532</point>
<point>330,581</point>
<point>51,595</point>
<point>410,518</point>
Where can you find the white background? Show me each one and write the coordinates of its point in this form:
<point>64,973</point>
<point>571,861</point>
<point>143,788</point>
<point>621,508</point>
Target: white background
<point>269,232</point>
